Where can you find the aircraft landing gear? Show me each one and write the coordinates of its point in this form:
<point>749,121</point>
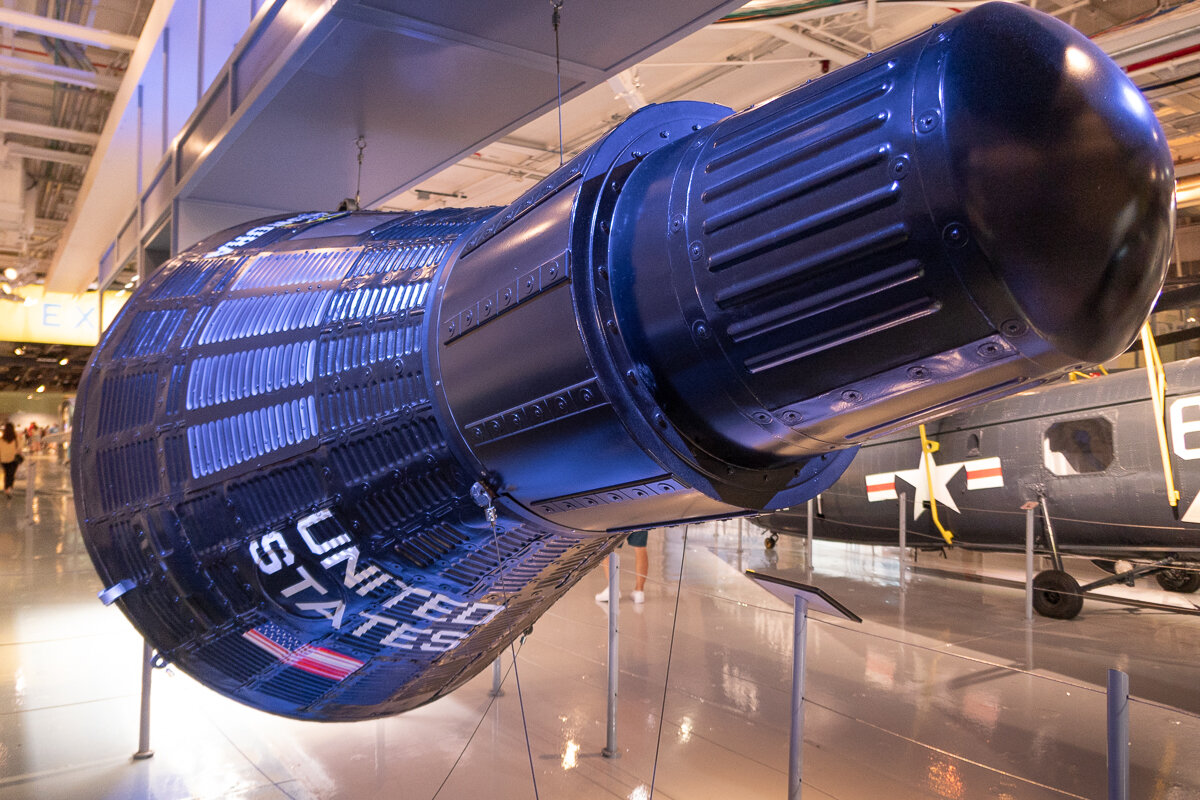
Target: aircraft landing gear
<point>1057,595</point>
<point>1178,580</point>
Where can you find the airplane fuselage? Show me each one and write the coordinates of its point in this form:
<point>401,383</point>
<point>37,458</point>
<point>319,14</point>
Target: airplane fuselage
<point>1089,447</point>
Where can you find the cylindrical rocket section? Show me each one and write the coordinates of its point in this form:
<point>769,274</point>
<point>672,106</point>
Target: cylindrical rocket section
<point>285,442</point>
<point>756,295</point>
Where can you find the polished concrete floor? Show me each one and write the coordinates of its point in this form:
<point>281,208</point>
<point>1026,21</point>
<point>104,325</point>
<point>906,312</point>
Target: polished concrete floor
<point>944,691</point>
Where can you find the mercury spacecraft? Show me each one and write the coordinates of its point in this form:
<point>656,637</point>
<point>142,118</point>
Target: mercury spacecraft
<point>330,464</point>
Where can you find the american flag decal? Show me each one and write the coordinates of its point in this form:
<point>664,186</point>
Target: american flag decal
<point>984,473</point>
<point>292,652</point>
<point>881,486</point>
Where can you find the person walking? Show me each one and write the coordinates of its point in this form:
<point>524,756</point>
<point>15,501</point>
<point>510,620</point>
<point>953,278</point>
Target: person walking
<point>636,540</point>
<point>10,456</point>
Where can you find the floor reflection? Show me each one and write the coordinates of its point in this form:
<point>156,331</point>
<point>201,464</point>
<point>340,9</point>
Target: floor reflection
<point>943,691</point>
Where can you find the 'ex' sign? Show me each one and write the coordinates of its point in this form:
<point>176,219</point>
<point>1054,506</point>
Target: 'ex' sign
<point>57,317</point>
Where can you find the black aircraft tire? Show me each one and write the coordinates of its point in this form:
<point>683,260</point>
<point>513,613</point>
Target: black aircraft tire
<point>1056,595</point>
<point>1178,580</point>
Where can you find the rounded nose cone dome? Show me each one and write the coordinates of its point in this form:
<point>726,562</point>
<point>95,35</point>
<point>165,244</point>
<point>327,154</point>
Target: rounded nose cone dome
<point>1067,182</point>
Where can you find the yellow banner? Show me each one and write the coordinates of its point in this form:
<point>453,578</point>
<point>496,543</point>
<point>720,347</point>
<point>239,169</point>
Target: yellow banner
<point>57,317</point>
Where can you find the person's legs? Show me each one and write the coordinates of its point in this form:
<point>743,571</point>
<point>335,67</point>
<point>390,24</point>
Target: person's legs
<point>10,474</point>
<point>642,562</point>
<point>637,540</point>
<point>602,595</point>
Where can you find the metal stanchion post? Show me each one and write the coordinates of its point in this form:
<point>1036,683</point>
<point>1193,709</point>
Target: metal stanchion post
<point>903,540</point>
<point>795,757</point>
<point>802,596</point>
<point>144,750</point>
<point>496,678</point>
<point>1118,735</point>
<point>614,584</point>
<point>1029,507</point>
<point>808,547</point>
<point>30,486</point>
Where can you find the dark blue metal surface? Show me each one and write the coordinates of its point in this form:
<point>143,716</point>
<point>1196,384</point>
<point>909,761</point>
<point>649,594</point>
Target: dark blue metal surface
<point>278,438</point>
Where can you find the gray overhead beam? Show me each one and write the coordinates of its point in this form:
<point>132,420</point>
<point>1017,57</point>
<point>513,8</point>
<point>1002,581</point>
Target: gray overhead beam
<point>424,83</point>
<point>46,154</point>
<point>815,46</point>
<point>57,29</point>
<point>48,132</point>
<point>38,70</point>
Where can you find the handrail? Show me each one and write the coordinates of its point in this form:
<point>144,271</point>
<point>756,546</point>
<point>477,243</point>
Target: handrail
<point>1158,390</point>
<point>928,448</point>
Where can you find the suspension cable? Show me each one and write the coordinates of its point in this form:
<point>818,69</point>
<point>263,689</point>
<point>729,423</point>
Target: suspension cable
<point>555,19</point>
<point>670,650</point>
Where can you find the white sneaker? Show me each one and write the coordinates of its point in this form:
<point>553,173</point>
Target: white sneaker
<point>602,597</point>
<point>639,597</point>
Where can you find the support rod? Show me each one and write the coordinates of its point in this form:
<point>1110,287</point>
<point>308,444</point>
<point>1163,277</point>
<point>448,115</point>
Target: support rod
<point>496,679</point>
<point>1050,541</point>
<point>795,756</point>
<point>903,539</point>
<point>1118,735</point>
<point>614,595</point>
<point>808,538</point>
<point>144,750</point>
<point>1029,509</point>
<point>30,487</point>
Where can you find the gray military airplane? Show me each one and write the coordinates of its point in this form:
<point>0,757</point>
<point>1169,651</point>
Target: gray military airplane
<point>1088,453</point>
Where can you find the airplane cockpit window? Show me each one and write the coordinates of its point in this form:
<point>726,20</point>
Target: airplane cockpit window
<point>1078,446</point>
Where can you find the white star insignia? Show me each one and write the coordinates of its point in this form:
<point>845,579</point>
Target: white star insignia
<point>917,479</point>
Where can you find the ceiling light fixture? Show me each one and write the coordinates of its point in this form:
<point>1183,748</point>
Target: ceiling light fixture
<point>62,362</point>
<point>19,351</point>
<point>41,388</point>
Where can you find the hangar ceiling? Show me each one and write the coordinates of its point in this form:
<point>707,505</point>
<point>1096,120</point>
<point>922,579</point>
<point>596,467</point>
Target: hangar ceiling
<point>771,46</point>
<point>56,90</point>
<point>62,62</point>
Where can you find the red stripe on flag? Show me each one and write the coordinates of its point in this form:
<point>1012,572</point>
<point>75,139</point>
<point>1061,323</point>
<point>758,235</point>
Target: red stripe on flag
<point>266,643</point>
<point>973,474</point>
<point>320,661</point>
<point>318,669</point>
<point>316,660</point>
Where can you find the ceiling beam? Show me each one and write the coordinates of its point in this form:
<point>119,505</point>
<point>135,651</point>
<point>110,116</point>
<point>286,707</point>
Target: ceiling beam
<point>46,154</point>
<point>626,88</point>
<point>48,132</point>
<point>815,46</point>
<point>57,29</point>
<point>14,65</point>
